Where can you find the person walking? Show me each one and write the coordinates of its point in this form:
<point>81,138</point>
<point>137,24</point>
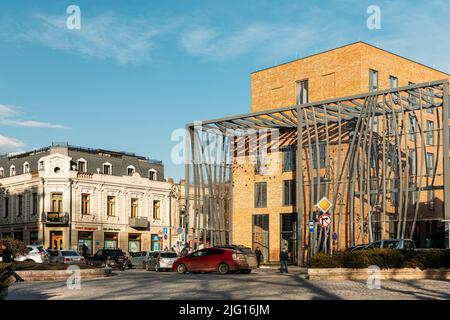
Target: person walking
<point>284,258</point>
<point>259,256</point>
<point>84,250</point>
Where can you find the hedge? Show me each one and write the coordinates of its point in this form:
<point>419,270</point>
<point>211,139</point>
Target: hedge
<point>383,258</point>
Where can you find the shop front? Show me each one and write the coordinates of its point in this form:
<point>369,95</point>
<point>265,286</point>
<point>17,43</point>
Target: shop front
<point>156,242</point>
<point>85,238</point>
<point>111,240</point>
<point>134,242</point>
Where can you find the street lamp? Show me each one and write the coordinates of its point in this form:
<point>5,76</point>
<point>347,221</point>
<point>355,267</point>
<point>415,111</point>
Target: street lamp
<point>172,193</point>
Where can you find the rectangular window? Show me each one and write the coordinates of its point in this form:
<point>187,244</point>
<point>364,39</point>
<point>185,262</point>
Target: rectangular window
<point>430,132</point>
<point>260,195</point>
<point>289,192</point>
<point>412,127</point>
<point>20,207</point>
<point>412,162</point>
<point>373,80</point>
<point>323,155</point>
<point>111,206</point>
<point>260,234</point>
<point>6,207</point>
<point>85,204</point>
<point>35,203</point>
<point>411,96</point>
<point>302,92</point>
<point>152,175</point>
<point>289,158</point>
<point>156,209</point>
<point>430,163</point>
<point>395,185</point>
<point>134,207</point>
<point>56,202</point>
<point>81,166</point>
<point>393,82</point>
<point>261,161</point>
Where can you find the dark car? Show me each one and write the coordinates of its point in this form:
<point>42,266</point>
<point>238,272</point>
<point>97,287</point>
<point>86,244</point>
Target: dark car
<point>212,260</point>
<point>400,244</point>
<point>114,258</point>
<point>356,247</point>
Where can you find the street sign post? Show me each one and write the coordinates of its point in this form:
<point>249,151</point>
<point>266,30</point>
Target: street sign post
<point>165,230</point>
<point>311,226</point>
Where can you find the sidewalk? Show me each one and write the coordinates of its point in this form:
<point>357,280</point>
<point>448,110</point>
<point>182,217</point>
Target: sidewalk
<point>275,268</point>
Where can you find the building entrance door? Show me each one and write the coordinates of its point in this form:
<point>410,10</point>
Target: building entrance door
<point>56,240</point>
<point>288,234</point>
<point>261,234</point>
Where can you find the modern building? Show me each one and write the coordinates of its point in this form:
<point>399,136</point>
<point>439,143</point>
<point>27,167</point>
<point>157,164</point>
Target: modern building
<point>63,196</point>
<point>371,127</point>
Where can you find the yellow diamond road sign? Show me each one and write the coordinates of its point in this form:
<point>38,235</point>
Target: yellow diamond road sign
<point>324,204</point>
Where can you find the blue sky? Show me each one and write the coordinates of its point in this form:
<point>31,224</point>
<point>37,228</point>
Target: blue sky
<point>137,70</point>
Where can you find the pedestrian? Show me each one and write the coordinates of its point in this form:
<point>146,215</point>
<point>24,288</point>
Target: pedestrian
<point>284,258</point>
<point>85,250</point>
<point>259,256</point>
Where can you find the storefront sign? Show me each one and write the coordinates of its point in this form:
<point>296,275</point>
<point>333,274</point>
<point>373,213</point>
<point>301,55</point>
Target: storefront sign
<point>86,228</point>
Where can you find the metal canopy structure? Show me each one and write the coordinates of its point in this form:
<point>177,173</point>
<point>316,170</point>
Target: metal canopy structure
<point>359,151</point>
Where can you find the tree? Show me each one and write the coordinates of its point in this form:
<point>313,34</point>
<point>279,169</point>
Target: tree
<point>16,247</point>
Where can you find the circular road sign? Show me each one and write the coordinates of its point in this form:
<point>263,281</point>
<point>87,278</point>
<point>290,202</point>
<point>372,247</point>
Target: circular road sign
<point>324,220</point>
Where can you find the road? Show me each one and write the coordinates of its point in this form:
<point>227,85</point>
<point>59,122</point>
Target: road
<point>262,284</point>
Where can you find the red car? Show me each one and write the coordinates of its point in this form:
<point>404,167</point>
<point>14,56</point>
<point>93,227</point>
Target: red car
<point>211,260</point>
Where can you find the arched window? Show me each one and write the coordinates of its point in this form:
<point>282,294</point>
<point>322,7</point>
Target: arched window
<point>82,165</point>
<point>12,170</point>
<point>152,174</point>
<point>131,170</point>
<point>26,167</point>
<point>107,168</point>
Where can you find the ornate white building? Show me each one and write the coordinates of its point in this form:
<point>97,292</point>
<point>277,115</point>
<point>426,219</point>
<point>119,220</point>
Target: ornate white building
<point>64,196</point>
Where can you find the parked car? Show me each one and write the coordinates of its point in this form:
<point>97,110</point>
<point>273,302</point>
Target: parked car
<point>65,256</point>
<point>357,247</point>
<point>114,258</point>
<point>401,244</point>
<point>139,259</point>
<point>211,260</point>
<point>35,253</point>
<point>161,260</point>
<point>249,254</point>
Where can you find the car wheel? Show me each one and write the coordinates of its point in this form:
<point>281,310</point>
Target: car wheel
<point>223,268</point>
<point>247,271</point>
<point>181,268</point>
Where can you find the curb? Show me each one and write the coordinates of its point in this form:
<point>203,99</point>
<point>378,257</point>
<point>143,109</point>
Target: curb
<point>54,275</point>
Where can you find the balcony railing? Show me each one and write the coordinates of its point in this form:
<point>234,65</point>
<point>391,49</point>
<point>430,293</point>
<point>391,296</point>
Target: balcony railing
<point>55,218</point>
<point>139,222</point>
<point>84,175</point>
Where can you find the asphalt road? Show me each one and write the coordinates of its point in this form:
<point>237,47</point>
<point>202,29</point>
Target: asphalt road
<point>262,284</point>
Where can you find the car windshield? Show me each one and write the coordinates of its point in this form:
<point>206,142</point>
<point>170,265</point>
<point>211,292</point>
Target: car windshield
<point>168,255</point>
<point>390,244</point>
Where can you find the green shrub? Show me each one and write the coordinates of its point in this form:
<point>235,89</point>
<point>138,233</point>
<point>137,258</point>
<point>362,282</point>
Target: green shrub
<point>383,258</point>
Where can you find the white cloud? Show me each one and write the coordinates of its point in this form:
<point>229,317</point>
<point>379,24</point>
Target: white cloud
<point>105,36</point>
<point>10,145</point>
<point>8,111</point>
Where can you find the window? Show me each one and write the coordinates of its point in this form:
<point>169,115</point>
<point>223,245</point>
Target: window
<point>2,172</point>
<point>289,158</point>
<point>412,127</point>
<point>134,207</point>
<point>411,97</point>
<point>85,204</point>
<point>107,168</point>
<point>26,167</point>
<point>412,162</point>
<point>322,151</point>
<point>34,203</point>
<point>111,206</point>
<point>375,124</point>
<point>393,82</point>
<point>302,92</point>
<point>56,202</point>
<point>260,194</point>
<point>20,207</point>
<point>82,165</point>
<point>12,171</point>
<point>156,209</point>
<point>430,163</point>
<point>429,97</point>
<point>430,132</point>
<point>6,208</point>
<point>152,174</point>
<point>289,192</point>
<point>373,80</point>
<point>130,170</point>
<point>261,161</point>
<point>41,165</point>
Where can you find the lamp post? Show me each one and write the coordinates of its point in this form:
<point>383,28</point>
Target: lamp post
<point>172,193</point>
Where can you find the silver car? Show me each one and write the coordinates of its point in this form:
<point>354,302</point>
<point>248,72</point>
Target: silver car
<point>139,259</point>
<point>65,257</point>
<point>161,260</point>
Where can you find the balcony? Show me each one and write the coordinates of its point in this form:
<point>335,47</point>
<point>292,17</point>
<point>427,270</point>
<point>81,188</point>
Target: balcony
<point>139,222</point>
<point>56,218</point>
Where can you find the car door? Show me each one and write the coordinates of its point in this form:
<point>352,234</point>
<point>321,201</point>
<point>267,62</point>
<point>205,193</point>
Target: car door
<point>212,259</point>
<point>197,261</point>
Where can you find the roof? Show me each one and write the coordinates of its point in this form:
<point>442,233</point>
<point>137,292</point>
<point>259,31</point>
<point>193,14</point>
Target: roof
<point>349,45</point>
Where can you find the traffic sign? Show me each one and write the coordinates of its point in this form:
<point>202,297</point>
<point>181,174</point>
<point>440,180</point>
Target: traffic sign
<point>165,236</point>
<point>324,205</point>
<point>180,230</point>
<point>334,236</point>
<point>165,230</point>
<point>324,220</point>
<point>311,226</point>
